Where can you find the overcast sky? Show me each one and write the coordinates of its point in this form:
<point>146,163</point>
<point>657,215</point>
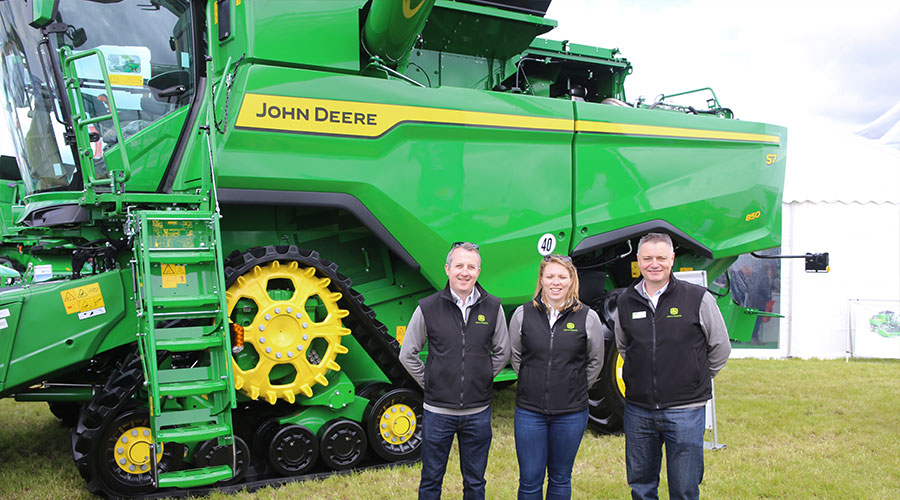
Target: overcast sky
<point>788,62</point>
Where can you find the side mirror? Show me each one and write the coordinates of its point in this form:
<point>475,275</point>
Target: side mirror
<point>817,263</point>
<point>78,37</point>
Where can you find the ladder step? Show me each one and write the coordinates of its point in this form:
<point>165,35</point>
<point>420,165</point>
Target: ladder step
<point>184,417</point>
<point>194,477</point>
<point>191,338</point>
<point>175,375</point>
<point>196,301</point>
<point>182,256</point>
<point>203,313</point>
<point>197,388</point>
<point>193,433</point>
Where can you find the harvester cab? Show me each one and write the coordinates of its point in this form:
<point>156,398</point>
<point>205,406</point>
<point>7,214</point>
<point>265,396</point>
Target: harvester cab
<point>226,212</point>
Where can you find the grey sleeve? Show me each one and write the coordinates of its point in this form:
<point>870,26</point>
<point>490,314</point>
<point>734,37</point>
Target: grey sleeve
<point>595,332</point>
<point>500,343</point>
<point>515,339</point>
<point>718,345</point>
<point>413,341</point>
<point>620,335</point>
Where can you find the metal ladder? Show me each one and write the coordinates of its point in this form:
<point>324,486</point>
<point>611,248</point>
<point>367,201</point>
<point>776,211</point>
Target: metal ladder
<point>180,299</point>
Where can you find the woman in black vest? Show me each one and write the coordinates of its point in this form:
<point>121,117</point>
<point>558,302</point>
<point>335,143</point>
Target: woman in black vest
<point>557,351</point>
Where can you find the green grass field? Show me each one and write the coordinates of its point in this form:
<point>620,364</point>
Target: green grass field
<point>794,429</point>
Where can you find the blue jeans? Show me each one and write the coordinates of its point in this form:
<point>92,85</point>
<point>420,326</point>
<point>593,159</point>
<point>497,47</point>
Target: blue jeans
<point>682,432</point>
<point>474,435</point>
<point>547,443</point>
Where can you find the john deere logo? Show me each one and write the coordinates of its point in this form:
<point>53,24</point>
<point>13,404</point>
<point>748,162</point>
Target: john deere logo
<point>673,313</point>
<point>481,320</point>
<point>570,327</point>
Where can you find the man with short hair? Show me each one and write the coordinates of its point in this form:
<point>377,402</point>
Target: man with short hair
<point>468,345</point>
<point>673,339</point>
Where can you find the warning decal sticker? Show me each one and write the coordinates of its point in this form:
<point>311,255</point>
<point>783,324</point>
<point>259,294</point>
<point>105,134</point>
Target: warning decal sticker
<point>82,299</point>
<point>172,275</point>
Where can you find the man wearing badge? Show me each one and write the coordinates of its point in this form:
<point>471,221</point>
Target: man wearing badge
<point>468,344</point>
<point>673,340</point>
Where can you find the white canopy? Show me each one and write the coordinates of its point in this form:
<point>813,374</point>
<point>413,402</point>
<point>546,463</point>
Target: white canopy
<point>885,129</point>
<point>827,165</point>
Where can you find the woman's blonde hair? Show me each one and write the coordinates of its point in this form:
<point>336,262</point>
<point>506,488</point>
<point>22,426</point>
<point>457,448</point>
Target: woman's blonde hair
<point>571,294</point>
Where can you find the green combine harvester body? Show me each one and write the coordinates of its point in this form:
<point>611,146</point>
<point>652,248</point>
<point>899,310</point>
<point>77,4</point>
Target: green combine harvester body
<point>225,212</point>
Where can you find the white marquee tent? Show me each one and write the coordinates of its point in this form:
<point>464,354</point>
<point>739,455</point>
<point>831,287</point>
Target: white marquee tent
<point>842,196</point>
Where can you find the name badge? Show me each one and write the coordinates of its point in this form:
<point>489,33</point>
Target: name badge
<point>639,315</point>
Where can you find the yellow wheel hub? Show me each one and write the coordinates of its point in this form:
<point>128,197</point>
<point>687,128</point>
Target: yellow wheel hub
<point>398,424</point>
<point>619,380</point>
<point>282,332</point>
<point>132,450</point>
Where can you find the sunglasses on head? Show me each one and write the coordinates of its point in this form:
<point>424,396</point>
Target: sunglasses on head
<point>461,243</point>
<point>564,258</point>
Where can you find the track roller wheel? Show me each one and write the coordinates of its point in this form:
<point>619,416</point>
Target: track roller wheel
<point>262,437</point>
<point>606,398</point>
<point>210,453</point>
<point>394,424</point>
<point>342,444</point>
<point>293,450</point>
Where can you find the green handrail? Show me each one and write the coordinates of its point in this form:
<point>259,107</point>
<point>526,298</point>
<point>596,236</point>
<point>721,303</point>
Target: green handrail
<point>80,120</point>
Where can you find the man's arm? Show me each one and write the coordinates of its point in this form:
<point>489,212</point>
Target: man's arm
<point>718,345</point>
<point>413,341</point>
<point>595,329</point>
<point>500,343</point>
<point>515,339</point>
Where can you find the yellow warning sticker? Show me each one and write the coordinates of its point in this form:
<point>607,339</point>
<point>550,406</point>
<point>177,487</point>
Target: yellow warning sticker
<point>635,269</point>
<point>129,80</point>
<point>172,275</point>
<point>401,332</point>
<point>82,299</point>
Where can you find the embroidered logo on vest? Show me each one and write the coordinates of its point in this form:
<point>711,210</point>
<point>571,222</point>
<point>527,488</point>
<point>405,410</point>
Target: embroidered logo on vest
<point>570,327</point>
<point>673,313</point>
<point>481,320</point>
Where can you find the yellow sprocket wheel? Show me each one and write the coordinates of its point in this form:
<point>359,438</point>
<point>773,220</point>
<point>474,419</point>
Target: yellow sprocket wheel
<point>282,331</point>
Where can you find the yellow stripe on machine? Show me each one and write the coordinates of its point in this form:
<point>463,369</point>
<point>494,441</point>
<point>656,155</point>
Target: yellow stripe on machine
<point>365,119</point>
<point>673,132</point>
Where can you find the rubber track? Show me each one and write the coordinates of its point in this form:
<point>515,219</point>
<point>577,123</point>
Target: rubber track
<point>104,406</point>
<point>371,334</point>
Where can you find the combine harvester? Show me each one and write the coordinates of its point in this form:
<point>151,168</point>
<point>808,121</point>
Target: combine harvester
<point>224,213</point>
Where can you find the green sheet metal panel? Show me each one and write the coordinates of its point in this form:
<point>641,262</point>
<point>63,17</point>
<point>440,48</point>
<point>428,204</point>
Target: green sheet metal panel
<point>433,166</point>
<point>292,32</point>
<point>718,180</point>
<point>481,31</point>
<point>64,322</point>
